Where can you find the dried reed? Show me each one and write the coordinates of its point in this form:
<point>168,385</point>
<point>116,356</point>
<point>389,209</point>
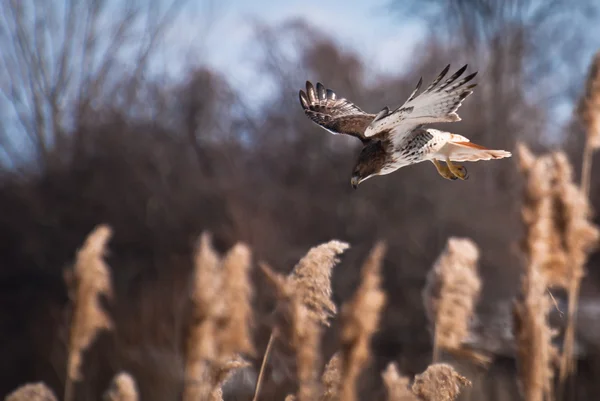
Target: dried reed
<point>331,379</point>
<point>235,331</point>
<point>588,111</point>
<point>32,392</point>
<point>360,318</point>
<point>581,238</point>
<point>450,296</point>
<point>559,236</point>
<point>304,305</point>
<point>122,388</point>
<point>208,309</point>
<point>221,316</point>
<point>535,353</point>
<point>440,382</point>
<point>222,372</point>
<point>87,282</point>
<point>543,218</point>
<point>304,331</point>
<point>312,278</point>
<point>398,387</point>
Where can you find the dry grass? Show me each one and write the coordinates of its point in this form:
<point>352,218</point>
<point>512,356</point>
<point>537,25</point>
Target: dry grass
<point>32,392</point>
<point>305,335</point>
<point>450,296</point>
<point>304,305</point>
<point>220,330</point>
<point>87,282</point>
<point>221,373</point>
<point>331,378</point>
<point>312,279</point>
<point>543,217</point>
<point>535,353</point>
<point>122,388</point>
<point>560,235</point>
<point>398,387</point>
<point>221,317</point>
<point>360,318</point>
<point>440,382</point>
<point>235,334</point>
<point>559,239</point>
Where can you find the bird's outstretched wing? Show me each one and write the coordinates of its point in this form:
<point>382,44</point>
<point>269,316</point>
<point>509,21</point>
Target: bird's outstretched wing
<point>438,103</point>
<point>336,115</point>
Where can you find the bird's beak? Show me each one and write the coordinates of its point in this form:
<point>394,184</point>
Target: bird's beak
<point>354,181</point>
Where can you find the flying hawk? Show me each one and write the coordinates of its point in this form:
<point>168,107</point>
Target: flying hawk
<point>394,139</point>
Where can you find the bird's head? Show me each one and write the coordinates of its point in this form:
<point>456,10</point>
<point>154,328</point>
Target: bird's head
<point>370,161</point>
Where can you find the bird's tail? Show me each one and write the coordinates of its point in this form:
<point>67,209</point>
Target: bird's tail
<point>461,151</point>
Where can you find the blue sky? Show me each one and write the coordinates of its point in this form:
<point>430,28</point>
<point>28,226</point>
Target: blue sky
<point>226,43</point>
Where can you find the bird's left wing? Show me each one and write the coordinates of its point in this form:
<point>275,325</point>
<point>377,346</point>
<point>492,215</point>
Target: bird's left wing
<point>438,103</point>
<point>336,115</point>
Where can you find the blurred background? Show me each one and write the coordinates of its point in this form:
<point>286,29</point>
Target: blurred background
<point>164,118</point>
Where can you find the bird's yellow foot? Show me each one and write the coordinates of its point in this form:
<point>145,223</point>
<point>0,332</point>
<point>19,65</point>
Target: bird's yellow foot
<point>444,171</point>
<point>458,170</point>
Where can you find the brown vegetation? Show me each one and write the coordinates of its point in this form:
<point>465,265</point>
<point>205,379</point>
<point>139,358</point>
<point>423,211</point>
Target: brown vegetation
<point>165,161</point>
<point>450,296</point>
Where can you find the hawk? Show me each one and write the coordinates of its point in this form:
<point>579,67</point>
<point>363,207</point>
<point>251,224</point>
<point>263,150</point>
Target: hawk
<point>397,138</point>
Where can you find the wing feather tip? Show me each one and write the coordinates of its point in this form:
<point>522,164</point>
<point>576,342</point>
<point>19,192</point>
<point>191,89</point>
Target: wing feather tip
<point>303,99</point>
<point>321,94</point>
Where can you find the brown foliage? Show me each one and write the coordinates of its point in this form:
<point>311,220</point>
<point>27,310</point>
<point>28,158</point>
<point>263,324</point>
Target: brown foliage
<point>451,293</point>
<point>186,157</point>
<point>31,392</point>
<point>360,320</point>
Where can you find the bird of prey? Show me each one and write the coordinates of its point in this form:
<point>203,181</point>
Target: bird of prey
<point>397,138</point>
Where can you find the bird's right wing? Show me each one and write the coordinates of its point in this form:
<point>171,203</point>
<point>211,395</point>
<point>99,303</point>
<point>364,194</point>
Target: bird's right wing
<point>438,103</point>
<point>336,115</point>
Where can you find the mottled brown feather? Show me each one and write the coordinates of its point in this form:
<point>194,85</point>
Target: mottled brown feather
<point>336,115</point>
<point>374,156</point>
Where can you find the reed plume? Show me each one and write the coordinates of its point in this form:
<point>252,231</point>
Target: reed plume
<point>360,318</point>
<point>533,335</point>
<point>221,317</point>
<point>559,234</point>
<point>312,279</point>
<point>207,311</point>
<point>32,392</point>
<point>450,296</point>
<point>331,379</point>
<point>588,111</point>
<point>236,289</point>
<point>221,373</point>
<point>303,333</point>
<point>398,387</point>
<point>581,238</point>
<point>87,282</point>
<point>543,218</point>
<point>122,388</point>
<point>440,382</point>
<point>304,305</point>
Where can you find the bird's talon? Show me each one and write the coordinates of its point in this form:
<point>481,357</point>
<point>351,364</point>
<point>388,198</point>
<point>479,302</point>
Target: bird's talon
<point>458,170</point>
<point>444,171</point>
<point>463,174</point>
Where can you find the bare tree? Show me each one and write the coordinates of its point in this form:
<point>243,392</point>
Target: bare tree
<point>537,49</point>
<point>58,60</point>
